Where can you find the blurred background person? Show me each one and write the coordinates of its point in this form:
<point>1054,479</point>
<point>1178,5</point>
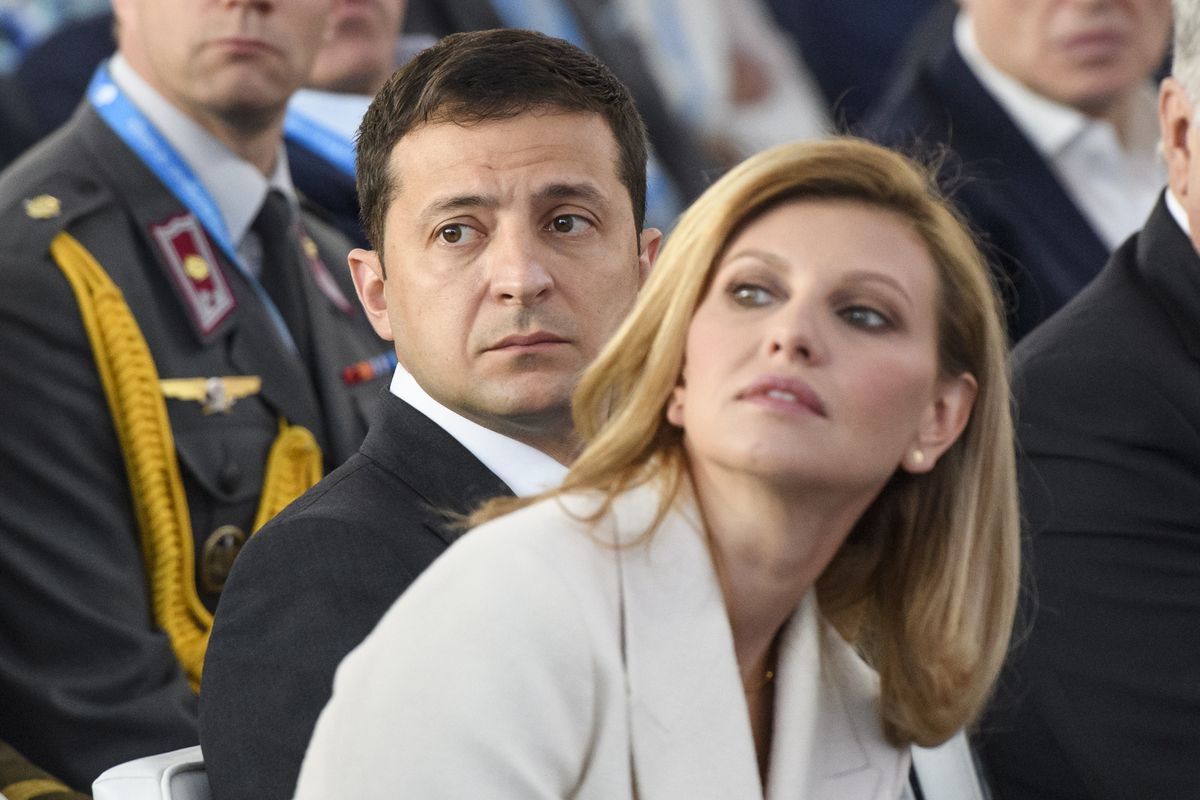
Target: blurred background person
<point>1100,699</point>
<point>729,72</point>
<point>850,49</point>
<point>798,451</point>
<point>362,47</point>
<point>175,325</point>
<point>1048,109</point>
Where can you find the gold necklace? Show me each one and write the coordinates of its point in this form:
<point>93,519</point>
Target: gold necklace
<point>767,678</point>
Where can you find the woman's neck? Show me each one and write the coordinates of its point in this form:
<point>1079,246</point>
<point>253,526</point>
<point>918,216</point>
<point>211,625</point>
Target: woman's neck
<point>770,543</point>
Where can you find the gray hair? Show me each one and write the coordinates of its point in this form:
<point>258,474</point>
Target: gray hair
<point>1186,62</point>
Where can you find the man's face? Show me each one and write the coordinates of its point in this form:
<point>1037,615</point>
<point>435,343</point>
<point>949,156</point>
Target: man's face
<point>511,256</point>
<point>359,50</point>
<point>234,62</point>
<point>1088,54</point>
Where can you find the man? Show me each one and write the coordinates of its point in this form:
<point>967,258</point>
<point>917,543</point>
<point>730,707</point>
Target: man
<point>1048,110</point>
<point>502,181</point>
<point>1101,699</point>
<point>362,47</point>
<point>174,343</point>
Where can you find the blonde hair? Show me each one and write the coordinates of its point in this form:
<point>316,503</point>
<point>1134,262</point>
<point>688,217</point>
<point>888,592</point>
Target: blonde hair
<point>925,585</point>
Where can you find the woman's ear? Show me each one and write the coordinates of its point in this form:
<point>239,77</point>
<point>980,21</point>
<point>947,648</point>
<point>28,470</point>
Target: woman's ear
<point>675,404</point>
<point>942,423</point>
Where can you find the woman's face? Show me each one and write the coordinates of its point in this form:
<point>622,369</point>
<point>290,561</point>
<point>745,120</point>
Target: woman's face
<point>812,360</point>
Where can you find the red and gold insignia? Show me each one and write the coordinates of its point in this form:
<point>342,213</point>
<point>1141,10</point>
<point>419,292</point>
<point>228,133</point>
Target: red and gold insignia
<point>195,271</point>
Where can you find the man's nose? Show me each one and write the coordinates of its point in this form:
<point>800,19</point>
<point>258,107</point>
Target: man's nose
<point>518,270</point>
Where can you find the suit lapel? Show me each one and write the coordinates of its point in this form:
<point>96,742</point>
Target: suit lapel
<point>689,728</point>
<point>993,148</point>
<point>1168,262</point>
<point>430,461</point>
<point>689,724</point>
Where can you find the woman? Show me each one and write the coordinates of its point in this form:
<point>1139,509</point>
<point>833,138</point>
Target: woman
<point>799,463</point>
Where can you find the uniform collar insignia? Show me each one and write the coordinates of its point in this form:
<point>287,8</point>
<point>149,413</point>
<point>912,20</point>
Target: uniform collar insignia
<point>195,271</point>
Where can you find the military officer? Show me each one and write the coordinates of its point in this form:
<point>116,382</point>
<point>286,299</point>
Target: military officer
<point>181,358</point>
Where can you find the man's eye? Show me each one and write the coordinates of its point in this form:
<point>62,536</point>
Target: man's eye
<point>749,294</point>
<point>569,223</point>
<point>456,233</point>
<point>865,317</point>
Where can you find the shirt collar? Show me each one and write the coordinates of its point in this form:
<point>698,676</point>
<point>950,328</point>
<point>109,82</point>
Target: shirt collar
<point>1178,213</point>
<point>235,185</point>
<point>1049,125</point>
<point>524,469</point>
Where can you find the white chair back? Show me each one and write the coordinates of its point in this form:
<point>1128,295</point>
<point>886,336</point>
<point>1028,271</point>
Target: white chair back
<point>178,775</point>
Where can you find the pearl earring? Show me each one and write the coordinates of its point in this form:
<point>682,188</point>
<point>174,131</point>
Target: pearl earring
<point>918,457</point>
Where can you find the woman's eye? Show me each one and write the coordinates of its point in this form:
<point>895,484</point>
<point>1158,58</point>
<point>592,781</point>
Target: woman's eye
<point>456,233</point>
<point>749,294</point>
<point>569,223</point>
<point>865,317</point>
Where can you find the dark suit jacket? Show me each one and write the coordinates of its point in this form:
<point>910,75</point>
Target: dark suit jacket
<point>86,677</point>
<point>312,584</point>
<point>1102,699</point>
<point>1033,233</point>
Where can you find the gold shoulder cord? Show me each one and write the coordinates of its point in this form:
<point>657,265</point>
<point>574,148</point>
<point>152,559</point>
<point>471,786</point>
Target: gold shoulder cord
<point>139,414</point>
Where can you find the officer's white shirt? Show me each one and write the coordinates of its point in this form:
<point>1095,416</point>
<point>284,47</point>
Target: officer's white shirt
<point>1114,186</point>
<point>524,469</point>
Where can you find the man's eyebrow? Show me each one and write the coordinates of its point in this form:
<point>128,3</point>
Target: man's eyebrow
<point>583,191</point>
<point>460,202</point>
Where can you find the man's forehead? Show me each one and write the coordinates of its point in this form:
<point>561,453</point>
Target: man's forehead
<point>534,155</point>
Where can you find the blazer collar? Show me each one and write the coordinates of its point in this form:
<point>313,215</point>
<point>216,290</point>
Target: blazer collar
<point>689,723</point>
<point>430,461</point>
<point>991,147</point>
<point>1168,262</point>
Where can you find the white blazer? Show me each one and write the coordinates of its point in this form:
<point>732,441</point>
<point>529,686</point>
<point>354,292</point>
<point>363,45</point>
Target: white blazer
<point>536,660</point>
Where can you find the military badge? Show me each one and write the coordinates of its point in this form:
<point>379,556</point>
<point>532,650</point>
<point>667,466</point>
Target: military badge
<point>215,395</point>
<point>220,549</point>
<point>195,271</point>
<point>44,206</point>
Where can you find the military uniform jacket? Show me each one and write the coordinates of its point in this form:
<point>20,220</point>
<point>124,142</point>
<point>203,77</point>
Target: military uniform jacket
<point>87,679</point>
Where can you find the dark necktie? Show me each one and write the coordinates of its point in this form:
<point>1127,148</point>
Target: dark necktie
<point>282,267</point>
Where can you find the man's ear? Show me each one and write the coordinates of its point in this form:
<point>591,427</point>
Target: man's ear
<point>649,241</point>
<point>942,423</point>
<point>1175,124</point>
<point>367,272</point>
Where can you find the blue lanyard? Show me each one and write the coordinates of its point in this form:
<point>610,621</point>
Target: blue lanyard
<point>332,147</point>
<point>130,124</point>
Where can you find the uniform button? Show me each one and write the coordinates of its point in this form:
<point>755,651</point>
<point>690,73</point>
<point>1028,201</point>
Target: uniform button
<point>230,478</point>
<point>220,549</point>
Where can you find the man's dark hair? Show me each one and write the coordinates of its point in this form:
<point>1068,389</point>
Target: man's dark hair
<point>467,78</point>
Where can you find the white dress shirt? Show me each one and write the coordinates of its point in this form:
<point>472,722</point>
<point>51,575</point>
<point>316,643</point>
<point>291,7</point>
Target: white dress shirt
<point>524,469</point>
<point>1114,185</point>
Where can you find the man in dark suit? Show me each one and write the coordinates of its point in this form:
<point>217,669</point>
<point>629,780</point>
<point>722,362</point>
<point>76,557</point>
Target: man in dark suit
<point>1101,699</point>
<point>174,334</point>
<point>502,181</point>
<point>1047,111</point>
